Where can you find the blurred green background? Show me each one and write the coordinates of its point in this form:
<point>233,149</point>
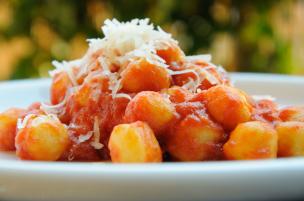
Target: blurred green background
<point>257,36</point>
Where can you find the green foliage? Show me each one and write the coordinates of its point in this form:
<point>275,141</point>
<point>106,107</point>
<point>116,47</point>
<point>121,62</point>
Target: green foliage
<point>250,37</point>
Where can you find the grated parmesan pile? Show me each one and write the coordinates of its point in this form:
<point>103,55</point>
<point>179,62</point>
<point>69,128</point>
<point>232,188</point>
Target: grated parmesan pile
<point>124,42</point>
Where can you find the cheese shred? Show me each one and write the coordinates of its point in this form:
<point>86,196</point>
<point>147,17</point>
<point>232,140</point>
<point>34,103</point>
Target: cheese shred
<point>96,135</point>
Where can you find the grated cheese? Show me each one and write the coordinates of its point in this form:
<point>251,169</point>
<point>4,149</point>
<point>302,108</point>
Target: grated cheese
<point>57,109</point>
<point>191,85</point>
<point>171,72</point>
<point>83,138</point>
<point>54,109</point>
<point>209,76</point>
<point>122,43</point>
<point>201,74</point>
<point>146,51</point>
<point>204,57</point>
<point>96,135</point>
<point>115,84</point>
<point>123,95</point>
<point>44,118</point>
<point>22,123</point>
<point>263,97</point>
<point>66,67</point>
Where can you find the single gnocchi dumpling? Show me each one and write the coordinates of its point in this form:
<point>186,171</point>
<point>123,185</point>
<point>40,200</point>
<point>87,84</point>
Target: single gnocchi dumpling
<point>152,108</point>
<point>196,138</point>
<point>265,110</point>
<point>252,140</point>
<point>8,127</point>
<point>87,95</point>
<point>42,138</point>
<point>291,138</point>
<point>292,113</point>
<point>94,84</point>
<point>140,75</point>
<point>172,54</point>
<point>134,143</point>
<point>60,85</point>
<point>177,94</point>
<point>228,106</point>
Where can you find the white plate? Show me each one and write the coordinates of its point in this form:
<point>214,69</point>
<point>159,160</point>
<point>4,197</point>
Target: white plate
<point>245,180</point>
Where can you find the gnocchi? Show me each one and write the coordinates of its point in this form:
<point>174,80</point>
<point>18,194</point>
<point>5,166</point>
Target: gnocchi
<point>60,85</point>
<point>42,138</point>
<point>252,140</point>
<point>152,108</point>
<point>291,138</point>
<point>8,128</point>
<point>292,113</point>
<point>143,76</point>
<point>228,106</point>
<point>196,138</point>
<point>134,143</point>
